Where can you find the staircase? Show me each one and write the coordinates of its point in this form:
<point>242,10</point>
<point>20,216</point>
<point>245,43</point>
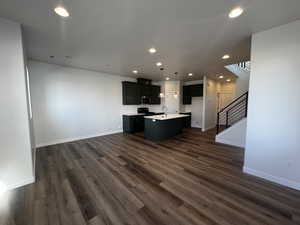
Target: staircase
<point>245,65</point>
<point>242,72</point>
<point>232,113</point>
<point>232,119</point>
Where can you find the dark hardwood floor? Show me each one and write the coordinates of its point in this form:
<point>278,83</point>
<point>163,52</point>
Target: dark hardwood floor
<point>125,180</point>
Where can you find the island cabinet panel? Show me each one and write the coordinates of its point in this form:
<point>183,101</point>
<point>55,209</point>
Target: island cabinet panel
<point>132,124</point>
<point>158,130</point>
<point>187,120</point>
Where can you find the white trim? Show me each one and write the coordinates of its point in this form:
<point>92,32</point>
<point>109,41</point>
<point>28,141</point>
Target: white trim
<point>20,184</point>
<point>229,142</point>
<point>279,180</point>
<point>204,105</point>
<point>65,140</point>
<point>196,126</point>
<point>227,130</point>
<point>208,128</point>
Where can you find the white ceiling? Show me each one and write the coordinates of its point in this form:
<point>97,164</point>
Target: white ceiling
<point>114,35</point>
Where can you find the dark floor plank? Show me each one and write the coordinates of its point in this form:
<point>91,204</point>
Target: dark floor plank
<point>123,179</point>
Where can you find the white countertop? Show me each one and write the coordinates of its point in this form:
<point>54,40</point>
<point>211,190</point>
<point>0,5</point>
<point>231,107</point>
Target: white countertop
<point>134,114</point>
<point>166,117</point>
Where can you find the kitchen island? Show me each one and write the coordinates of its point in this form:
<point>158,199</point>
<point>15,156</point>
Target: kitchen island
<point>162,127</point>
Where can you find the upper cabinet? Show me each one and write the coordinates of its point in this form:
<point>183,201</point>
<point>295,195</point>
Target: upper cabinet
<point>136,94</point>
<point>154,96</point>
<point>145,90</point>
<point>196,90</point>
<point>186,96</point>
<point>131,93</point>
<point>190,91</point>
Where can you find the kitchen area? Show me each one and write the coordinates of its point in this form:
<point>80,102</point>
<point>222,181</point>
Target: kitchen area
<point>161,107</point>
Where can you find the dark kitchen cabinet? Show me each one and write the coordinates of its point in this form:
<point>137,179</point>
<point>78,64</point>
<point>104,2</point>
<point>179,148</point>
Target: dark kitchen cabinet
<point>136,94</point>
<point>131,93</point>
<point>196,90</point>
<point>154,96</point>
<point>187,100</point>
<point>145,90</point>
<point>186,96</point>
<point>145,93</point>
<point>187,120</point>
<point>143,81</point>
<point>150,94</point>
<point>190,91</point>
<point>132,124</point>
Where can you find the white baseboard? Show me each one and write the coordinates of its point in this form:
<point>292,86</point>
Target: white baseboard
<point>278,180</point>
<point>208,128</point>
<point>65,140</point>
<point>20,184</point>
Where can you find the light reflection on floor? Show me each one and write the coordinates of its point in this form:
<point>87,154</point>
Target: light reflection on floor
<point>5,204</point>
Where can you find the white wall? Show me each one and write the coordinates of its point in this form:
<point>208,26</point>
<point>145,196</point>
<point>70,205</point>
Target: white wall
<point>225,96</point>
<point>234,135</point>
<point>273,131</point>
<point>242,81</point>
<point>226,93</point>
<point>70,104</point>
<point>229,88</point>
<point>210,103</point>
<point>171,88</point>
<point>16,167</point>
<point>197,112</point>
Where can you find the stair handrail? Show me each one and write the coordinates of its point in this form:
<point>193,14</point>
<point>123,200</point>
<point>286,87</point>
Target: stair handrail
<point>244,99</point>
<point>234,101</point>
<point>237,104</point>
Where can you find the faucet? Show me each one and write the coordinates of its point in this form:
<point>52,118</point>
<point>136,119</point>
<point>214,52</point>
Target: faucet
<point>165,109</point>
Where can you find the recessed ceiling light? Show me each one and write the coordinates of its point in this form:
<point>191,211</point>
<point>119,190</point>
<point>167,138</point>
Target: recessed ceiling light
<point>228,80</point>
<point>190,74</point>
<point>158,64</point>
<point>236,12</point>
<point>167,78</point>
<point>152,50</point>
<point>61,11</point>
<point>135,71</point>
<point>221,76</point>
<point>226,56</point>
